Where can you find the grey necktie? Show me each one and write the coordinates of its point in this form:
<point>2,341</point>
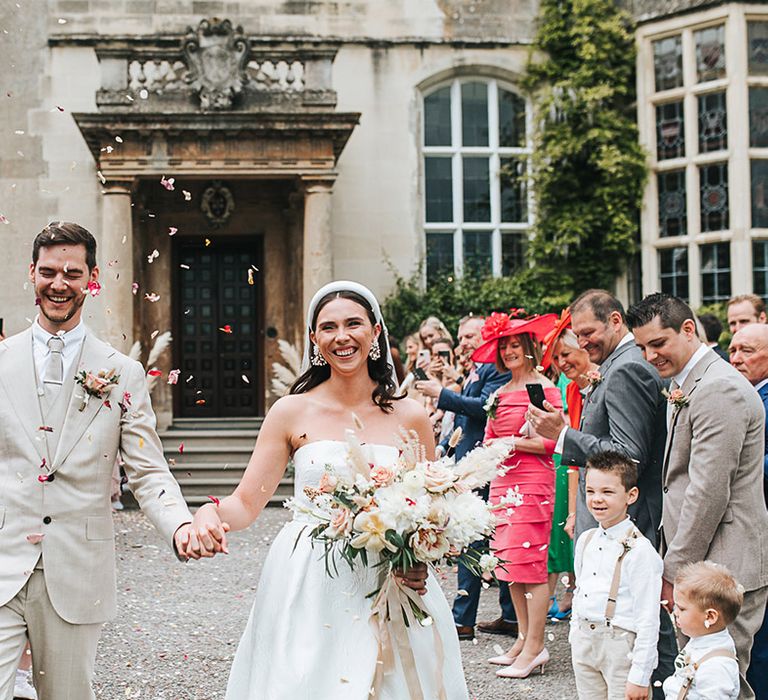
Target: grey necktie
<point>54,372</point>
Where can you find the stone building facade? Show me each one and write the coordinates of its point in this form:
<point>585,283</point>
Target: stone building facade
<point>232,156</point>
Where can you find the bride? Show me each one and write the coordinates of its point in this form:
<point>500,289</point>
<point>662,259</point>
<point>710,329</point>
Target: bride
<point>310,634</point>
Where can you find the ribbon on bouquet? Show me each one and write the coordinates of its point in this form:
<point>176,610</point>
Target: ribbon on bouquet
<point>391,609</point>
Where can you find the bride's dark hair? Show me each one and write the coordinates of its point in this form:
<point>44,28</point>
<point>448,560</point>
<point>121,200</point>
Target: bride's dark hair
<point>378,370</point>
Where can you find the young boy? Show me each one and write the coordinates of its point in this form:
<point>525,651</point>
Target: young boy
<point>707,599</point>
<point>615,619</point>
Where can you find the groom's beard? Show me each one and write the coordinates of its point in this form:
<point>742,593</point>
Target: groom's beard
<point>59,316</point>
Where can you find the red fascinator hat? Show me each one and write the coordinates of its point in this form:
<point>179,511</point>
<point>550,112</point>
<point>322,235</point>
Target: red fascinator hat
<point>499,325</point>
<point>551,339</point>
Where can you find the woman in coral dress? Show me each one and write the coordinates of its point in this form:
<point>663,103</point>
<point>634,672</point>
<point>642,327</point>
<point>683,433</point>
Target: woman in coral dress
<point>525,494</point>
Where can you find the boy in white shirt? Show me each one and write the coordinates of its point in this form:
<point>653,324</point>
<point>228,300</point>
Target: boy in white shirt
<point>707,599</point>
<point>615,619</point>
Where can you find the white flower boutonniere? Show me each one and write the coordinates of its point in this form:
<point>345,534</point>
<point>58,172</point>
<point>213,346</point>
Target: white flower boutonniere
<point>97,384</point>
<point>491,405</point>
<point>676,397</point>
<point>594,378</point>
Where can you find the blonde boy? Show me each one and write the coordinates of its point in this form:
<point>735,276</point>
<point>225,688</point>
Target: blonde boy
<point>615,621</point>
<point>707,599</point>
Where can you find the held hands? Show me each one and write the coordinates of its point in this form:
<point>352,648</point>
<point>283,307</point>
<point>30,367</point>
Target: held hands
<point>636,692</point>
<point>205,536</point>
<point>548,423</point>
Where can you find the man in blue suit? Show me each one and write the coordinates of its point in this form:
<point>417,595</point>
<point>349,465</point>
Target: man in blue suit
<point>479,383</point>
<point>749,355</point>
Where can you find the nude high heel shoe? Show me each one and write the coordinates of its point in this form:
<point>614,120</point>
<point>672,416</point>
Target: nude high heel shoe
<point>503,660</point>
<point>541,660</point>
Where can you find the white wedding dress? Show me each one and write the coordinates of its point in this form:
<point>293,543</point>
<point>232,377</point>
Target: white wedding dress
<point>309,636</point>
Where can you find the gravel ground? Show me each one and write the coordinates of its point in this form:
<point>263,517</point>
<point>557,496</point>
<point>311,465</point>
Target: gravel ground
<point>178,625</point>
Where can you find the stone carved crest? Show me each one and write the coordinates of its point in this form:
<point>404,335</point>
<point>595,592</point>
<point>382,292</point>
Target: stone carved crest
<point>216,55</point>
<point>217,203</point>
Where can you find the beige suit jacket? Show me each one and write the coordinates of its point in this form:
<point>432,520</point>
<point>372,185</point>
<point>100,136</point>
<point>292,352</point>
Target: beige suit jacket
<point>713,470</point>
<point>72,509</point>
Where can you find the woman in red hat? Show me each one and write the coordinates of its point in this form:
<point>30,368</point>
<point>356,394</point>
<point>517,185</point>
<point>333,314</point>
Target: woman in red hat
<point>525,494</point>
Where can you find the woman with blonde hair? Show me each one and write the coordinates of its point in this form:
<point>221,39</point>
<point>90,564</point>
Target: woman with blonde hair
<point>432,327</point>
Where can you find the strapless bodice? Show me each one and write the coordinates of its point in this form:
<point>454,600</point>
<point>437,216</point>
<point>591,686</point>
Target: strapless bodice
<point>312,459</point>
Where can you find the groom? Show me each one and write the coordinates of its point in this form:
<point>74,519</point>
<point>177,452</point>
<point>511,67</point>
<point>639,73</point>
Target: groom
<point>60,434</point>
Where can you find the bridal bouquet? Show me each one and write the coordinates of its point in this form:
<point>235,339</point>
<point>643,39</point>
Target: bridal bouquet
<point>413,511</point>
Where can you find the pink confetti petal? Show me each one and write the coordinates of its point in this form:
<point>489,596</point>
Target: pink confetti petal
<point>35,537</point>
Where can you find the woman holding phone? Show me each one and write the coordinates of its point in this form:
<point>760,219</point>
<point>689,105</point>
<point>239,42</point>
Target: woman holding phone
<point>525,493</point>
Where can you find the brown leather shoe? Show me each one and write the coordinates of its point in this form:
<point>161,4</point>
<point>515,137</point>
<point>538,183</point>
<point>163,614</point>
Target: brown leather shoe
<point>465,632</point>
<point>499,626</point>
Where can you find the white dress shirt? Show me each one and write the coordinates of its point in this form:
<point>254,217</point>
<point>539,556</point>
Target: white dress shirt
<point>73,341</point>
<point>637,602</point>
<point>628,338</point>
<point>716,679</point>
<point>682,375</point>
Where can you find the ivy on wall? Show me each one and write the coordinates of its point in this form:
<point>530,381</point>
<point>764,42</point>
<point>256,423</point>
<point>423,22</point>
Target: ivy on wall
<point>588,167</point>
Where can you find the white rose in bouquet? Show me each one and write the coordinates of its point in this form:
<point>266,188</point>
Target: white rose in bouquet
<point>469,520</point>
<point>438,477</point>
<point>429,544</point>
<point>414,482</point>
<point>488,563</point>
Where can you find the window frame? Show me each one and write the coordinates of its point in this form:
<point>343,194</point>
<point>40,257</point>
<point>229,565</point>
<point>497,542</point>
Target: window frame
<point>495,154</point>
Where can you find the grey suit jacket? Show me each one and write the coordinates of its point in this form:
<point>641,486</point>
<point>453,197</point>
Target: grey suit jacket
<point>72,508</point>
<point>713,476</point>
<point>625,412</point>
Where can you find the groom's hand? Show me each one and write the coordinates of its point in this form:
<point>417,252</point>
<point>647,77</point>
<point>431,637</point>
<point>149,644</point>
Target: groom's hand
<point>207,534</point>
<point>415,578</point>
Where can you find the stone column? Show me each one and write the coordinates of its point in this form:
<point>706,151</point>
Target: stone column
<point>318,251</point>
<point>115,258</point>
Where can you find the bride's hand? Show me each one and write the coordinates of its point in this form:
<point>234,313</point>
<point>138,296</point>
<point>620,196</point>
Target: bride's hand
<point>415,578</point>
<point>207,534</point>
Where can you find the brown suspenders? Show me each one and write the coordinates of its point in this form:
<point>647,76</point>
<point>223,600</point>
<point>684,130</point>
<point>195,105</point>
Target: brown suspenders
<point>709,655</point>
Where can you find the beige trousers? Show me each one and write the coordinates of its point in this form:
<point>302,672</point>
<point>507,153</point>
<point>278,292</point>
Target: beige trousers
<point>600,658</point>
<point>63,654</point>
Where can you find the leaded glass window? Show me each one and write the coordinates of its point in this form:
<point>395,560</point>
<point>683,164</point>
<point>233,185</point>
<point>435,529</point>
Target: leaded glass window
<point>439,255</point>
<point>713,189</point>
<point>760,268</point>
<point>439,189</point>
<point>668,62</point>
<point>477,253</point>
<point>672,206</point>
<point>759,193</point>
<point>673,271</point>
<point>715,272</point>
<point>512,252</point>
<point>437,118</point>
<point>670,130</point>
<point>713,122</point>
<point>476,169</point>
<point>757,47</point>
<point>710,53</point>
<point>758,117</point>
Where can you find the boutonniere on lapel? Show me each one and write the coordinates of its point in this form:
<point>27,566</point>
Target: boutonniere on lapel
<point>491,405</point>
<point>97,384</point>
<point>594,378</point>
<point>629,541</point>
<point>676,398</point>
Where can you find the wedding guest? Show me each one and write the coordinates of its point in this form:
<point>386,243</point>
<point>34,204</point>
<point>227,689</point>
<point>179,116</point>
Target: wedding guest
<point>618,574</point>
<point>712,331</point>
<point>412,346</point>
<point>431,328</point>
<point>707,600</point>
<point>526,492</point>
<point>749,355</point>
<point>480,382</point>
<point>441,367</point>
<point>713,496</point>
<point>396,359</point>
<point>624,411</point>
<point>745,309</point>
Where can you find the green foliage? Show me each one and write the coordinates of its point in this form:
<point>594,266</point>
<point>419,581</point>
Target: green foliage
<point>588,168</point>
<point>449,299</point>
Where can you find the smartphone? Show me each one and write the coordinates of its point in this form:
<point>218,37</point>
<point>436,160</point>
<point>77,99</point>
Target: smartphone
<point>420,374</point>
<point>423,356</point>
<point>445,356</point>
<point>536,395</point>
<point>1,327</point>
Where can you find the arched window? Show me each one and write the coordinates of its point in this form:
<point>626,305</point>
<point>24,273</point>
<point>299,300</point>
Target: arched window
<point>476,150</point>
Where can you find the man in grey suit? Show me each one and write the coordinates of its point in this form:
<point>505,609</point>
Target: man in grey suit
<point>623,411</point>
<point>69,404</point>
<point>713,464</point>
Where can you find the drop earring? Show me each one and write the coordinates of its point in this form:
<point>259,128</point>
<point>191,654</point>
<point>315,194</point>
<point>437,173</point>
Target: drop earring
<point>317,358</point>
<point>375,352</point>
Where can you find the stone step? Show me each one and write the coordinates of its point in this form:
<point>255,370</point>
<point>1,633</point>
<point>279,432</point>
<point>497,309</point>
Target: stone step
<point>196,491</point>
<point>221,454</point>
<point>209,438</point>
<point>217,423</point>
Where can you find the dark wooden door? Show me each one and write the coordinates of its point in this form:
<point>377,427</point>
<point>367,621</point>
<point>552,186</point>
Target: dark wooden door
<point>219,327</point>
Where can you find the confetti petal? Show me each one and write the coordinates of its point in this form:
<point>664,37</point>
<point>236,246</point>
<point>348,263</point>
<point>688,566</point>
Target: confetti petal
<point>35,537</point>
